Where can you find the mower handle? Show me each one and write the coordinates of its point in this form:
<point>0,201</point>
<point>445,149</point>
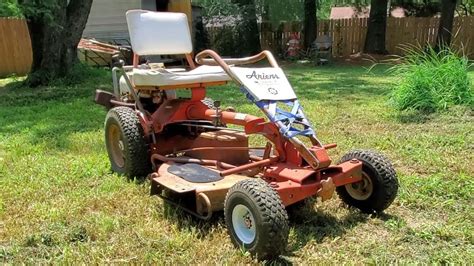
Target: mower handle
<point>216,60</point>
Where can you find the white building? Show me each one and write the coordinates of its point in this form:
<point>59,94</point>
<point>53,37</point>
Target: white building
<point>107,17</point>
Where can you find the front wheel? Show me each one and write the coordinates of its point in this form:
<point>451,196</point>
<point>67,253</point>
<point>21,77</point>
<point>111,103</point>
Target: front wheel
<point>378,187</point>
<point>256,219</point>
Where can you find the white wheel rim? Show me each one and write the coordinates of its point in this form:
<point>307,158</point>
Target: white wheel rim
<point>361,190</point>
<point>243,223</point>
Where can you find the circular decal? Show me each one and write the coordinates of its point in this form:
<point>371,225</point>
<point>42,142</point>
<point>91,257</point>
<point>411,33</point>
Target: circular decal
<point>273,91</point>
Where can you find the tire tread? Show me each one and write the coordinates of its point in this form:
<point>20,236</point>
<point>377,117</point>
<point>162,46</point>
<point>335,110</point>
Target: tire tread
<point>385,174</point>
<point>137,161</point>
<point>274,216</point>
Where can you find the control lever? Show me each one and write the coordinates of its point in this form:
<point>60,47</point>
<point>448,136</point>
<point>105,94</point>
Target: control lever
<point>117,61</point>
<point>217,117</point>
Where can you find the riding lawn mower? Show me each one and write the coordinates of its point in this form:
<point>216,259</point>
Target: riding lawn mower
<point>197,154</point>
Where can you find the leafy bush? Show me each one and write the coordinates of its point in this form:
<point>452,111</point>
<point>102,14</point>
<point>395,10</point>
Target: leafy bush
<point>9,8</point>
<point>224,41</point>
<point>80,73</point>
<point>431,81</point>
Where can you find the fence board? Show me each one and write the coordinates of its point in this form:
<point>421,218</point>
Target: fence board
<point>15,47</point>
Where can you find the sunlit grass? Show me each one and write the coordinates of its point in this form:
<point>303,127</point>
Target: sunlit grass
<point>59,202</point>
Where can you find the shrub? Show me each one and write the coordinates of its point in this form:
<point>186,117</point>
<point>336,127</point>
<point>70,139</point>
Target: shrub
<point>431,81</point>
<point>80,73</point>
<point>9,8</point>
<point>224,41</point>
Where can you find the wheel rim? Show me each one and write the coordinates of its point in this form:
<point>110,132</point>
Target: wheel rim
<point>361,190</point>
<point>244,224</point>
<point>116,145</point>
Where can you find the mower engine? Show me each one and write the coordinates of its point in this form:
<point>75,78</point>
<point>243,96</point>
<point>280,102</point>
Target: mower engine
<point>202,147</point>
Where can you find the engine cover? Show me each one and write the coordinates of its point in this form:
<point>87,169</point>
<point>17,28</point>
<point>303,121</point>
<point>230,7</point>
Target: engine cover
<point>221,138</point>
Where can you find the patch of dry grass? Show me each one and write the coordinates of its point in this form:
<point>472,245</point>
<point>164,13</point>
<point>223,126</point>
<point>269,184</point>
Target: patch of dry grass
<point>59,202</point>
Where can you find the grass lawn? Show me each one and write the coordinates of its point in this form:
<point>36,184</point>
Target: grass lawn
<point>59,201</point>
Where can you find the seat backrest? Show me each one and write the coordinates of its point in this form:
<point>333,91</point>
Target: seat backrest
<point>159,33</point>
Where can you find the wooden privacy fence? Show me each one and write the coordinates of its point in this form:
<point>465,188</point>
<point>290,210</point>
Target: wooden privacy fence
<point>348,35</point>
<point>15,47</point>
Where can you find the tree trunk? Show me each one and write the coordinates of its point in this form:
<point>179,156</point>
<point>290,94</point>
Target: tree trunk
<point>448,7</point>
<point>54,38</point>
<point>309,27</point>
<point>377,24</point>
<point>77,15</point>
<point>247,30</point>
<point>35,28</point>
<point>201,38</point>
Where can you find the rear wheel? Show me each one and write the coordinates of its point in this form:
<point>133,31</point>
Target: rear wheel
<point>378,187</point>
<point>256,219</point>
<point>125,142</point>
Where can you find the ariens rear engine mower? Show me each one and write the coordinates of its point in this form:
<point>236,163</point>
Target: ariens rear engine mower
<point>199,164</point>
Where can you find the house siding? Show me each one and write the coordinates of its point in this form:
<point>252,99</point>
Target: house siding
<point>107,19</point>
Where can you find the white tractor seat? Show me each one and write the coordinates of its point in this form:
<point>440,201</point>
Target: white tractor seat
<point>165,33</point>
<point>163,77</point>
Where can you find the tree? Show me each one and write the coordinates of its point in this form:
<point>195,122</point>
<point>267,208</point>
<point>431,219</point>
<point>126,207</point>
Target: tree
<point>377,24</point>
<point>201,37</point>
<point>55,28</point>
<point>9,8</point>
<point>466,8</point>
<point>309,27</point>
<point>247,28</point>
<point>417,8</point>
<point>443,39</point>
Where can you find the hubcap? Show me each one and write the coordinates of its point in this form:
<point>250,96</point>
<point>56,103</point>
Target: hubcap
<point>116,145</point>
<point>361,190</point>
<point>244,224</point>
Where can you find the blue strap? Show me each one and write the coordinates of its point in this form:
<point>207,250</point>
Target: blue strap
<point>287,118</point>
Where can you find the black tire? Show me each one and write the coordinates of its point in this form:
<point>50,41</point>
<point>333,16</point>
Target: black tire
<point>268,213</point>
<point>124,137</point>
<point>383,178</point>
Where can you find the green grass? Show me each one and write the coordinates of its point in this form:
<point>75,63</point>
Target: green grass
<point>59,201</point>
